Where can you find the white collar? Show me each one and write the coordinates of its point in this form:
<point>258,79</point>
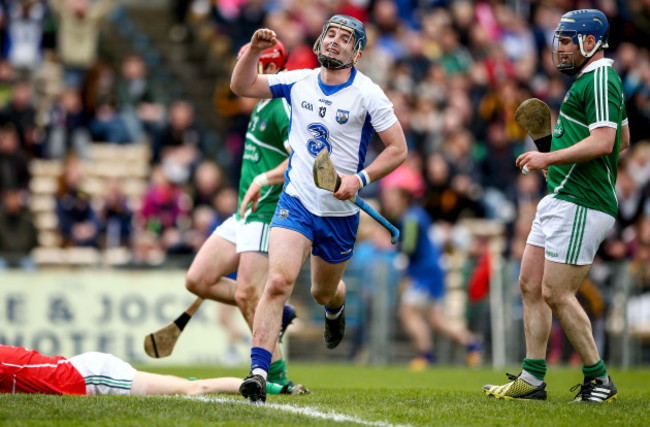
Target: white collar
<point>603,62</point>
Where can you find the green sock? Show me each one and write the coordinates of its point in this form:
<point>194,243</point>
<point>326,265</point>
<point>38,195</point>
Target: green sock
<point>596,370</point>
<point>272,388</point>
<point>278,373</point>
<point>536,367</point>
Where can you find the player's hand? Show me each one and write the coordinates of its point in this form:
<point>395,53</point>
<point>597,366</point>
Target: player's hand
<point>533,160</point>
<point>349,187</point>
<point>252,196</point>
<point>263,39</point>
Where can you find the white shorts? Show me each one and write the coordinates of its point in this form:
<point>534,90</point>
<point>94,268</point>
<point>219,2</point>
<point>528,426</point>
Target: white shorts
<point>104,373</point>
<point>247,237</point>
<point>569,233</point>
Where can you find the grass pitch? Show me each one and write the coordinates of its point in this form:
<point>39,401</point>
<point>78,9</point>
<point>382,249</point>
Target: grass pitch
<point>349,395</point>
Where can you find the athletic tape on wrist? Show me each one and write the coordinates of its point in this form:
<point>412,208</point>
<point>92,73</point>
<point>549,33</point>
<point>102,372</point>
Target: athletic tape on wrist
<point>262,180</point>
<point>363,177</point>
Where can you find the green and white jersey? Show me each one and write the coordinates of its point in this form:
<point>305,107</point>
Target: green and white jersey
<point>266,139</point>
<point>594,100</point>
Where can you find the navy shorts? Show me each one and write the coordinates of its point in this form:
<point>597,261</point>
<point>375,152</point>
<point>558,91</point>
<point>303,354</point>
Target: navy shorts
<point>332,237</point>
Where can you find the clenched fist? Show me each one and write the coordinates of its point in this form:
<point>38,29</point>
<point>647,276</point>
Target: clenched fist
<point>263,39</point>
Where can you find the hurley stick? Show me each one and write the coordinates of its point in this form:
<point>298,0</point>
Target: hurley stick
<point>534,116</point>
<point>326,178</point>
<point>161,343</point>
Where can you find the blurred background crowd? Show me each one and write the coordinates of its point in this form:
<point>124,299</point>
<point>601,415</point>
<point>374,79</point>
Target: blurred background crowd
<point>106,142</point>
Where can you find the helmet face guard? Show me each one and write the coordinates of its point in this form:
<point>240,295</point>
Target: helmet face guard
<point>577,25</point>
<point>356,29</point>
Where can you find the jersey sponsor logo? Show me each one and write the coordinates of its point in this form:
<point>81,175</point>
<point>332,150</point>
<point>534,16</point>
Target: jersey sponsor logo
<point>342,116</point>
<point>559,128</point>
<point>307,106</point>
<point>283,213</point>
<point>325,101</point>
<point>251,153</point>
<point>320,139</point>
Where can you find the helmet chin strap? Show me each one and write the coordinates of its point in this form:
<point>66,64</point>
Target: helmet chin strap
<point>574,70</point>
<point>333,63</point>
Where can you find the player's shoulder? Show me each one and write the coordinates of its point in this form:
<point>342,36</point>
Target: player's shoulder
<point>365,83</point>
<point>279,104</point>
<point>599,72</point>
<point>279,108</point>
<point>295,75</point>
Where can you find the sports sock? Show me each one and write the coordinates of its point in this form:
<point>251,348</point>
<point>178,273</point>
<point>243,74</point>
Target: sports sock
<point>597,370</point>
<point>429,356</point>
<point>530,378</point>
<point>535,367</point>
<point>260,361</point>
<point>333,313</point>
<point>273,388</point>
<point>278,372</point>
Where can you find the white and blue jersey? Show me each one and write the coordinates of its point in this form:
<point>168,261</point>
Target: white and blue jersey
<point>340,118</point>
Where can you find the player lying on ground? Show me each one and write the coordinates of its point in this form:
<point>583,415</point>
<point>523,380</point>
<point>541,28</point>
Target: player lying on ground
<point>95,374</point>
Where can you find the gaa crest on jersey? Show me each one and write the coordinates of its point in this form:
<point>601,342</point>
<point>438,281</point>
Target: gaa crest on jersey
<point>320,138</point>
<point>566,97</point>
<point>263,126</point>
<point>342,116</point>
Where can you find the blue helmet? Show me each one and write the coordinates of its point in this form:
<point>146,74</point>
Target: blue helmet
<point>578,24</point>
<point>351,24</point>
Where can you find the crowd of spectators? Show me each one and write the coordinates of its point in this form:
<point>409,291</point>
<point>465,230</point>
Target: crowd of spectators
<point>59,95</point>
<point>455,70</point>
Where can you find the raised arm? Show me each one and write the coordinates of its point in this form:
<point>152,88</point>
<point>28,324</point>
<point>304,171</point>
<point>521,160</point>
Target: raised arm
<point>387,161</point>
<point>245,79</point>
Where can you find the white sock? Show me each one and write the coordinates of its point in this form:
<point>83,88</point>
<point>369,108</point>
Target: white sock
<point>530,378</point>
<point>603,380</point>
<point>259,371</point>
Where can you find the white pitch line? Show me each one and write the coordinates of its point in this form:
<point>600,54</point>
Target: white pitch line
<point>310,412</point>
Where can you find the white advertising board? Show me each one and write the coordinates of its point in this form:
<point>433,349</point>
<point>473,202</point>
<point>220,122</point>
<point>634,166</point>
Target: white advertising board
<point>71,312</point>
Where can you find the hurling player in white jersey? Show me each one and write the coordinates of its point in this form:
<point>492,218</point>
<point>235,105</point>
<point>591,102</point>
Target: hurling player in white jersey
<point>334,108</point>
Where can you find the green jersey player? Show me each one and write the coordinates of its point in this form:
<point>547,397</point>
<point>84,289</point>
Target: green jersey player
<point>576,215</point>
<point>241,242</point>
<point>266,147</point>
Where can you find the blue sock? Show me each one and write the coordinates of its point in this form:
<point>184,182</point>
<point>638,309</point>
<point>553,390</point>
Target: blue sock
<point>430,356</point>
<point>333,313</point>
<point>260,361</point>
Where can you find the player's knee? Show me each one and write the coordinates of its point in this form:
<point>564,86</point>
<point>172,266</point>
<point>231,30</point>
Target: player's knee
<point>195,284</point>
<point>246,296</point>
<point>553,299</point>
<point>529,288</point>
<point>277,285</point>
<point>324,294</point>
